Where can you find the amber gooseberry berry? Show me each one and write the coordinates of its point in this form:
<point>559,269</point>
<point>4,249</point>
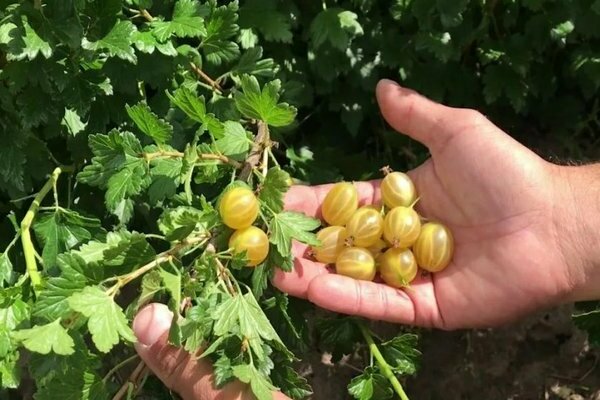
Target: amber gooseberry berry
<point>397,189</point>
<point>253,241</point>
<point>398,267</point>
<point>238,207</point>
<point>402,226</point>
<point>364,227</point>
<point>332,240</point>
<point>378,248</point>
<point>340,203</point>
<point>434,248</point>
<point>357,263</point>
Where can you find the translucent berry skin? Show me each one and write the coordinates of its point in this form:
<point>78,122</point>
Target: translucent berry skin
<point>365,227</point>
<point>397,189</point>
<point>253,241</point>
<point>339,204</point>
<point>332,240</point>
<point>398,267</point>
<point>434,248</point>
<point>238,208</point>
<point>378,248</point>
<point>401,227</point>
<point>357,263</point>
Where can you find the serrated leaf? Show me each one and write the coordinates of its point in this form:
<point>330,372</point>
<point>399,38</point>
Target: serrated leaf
<point>263,104</point>
<point>370,385</point>
<point>223,370</point>
<point>264,16</point>
<point>261,387</point>
<point>24,42</point>
<point>235,141</point>
<point>124,184</point>
<point>402,353</point>
<point>10,371</point>
<point>289,225</point>
<point>252,63</point>
<point>72,121</point>
<point>116,43</point>
<point>46,338</point>
<point>274,187</point>
<point>194,106</point>
<point>147,43</point>
<point>85,385</point>
<point>336,26</point>
<point>52,302</point>
<point>63,230</point>
<point>149,123</point>
<point>106,321</point>
<point>290,382</point>
<point>221,26</point>
<point>187,21</point>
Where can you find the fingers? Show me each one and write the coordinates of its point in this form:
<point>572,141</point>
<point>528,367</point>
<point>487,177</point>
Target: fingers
<point>415,305</point>
<point>177,369</point>
<point>424,120</point>
<point>308,199</point>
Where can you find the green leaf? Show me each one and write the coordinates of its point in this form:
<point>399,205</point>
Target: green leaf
<point>116,43</point>
<point>260,386</point>
<point>235,141</point>
<point>336,26</point>
<point>46,338</point>
<point>10,371</point>
<point>72,121</point>
<point>172,282</point>
<point>290,382</point>
<point>274,187</point>
<point>149,123</point>
<point>187,21</point>
<point>194,107</point>
<point>6,270</point>
<point>264,16</point>
<point>63,230</point>
<point>260,279</point>
<point>223,370</point>
<point>244,313</point>
<point>147,43</point>
<point>402,353</point>
<point>106,321</point>
<point>121,186</point>
<point>52,302</point>
<point>76,385</point>
<point>252,63</point>
<point>289,225</point>
<point>263,104</point>
<point>221,26</point>
<point>23,41</point>
<point>370,385</point>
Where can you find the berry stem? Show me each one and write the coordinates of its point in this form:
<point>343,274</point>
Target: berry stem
<point>383,365</point>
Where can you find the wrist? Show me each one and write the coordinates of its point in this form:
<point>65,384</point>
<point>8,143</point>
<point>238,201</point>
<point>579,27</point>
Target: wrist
<point>577,225</point>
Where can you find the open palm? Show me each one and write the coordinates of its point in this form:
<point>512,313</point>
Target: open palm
<point>498,199</point>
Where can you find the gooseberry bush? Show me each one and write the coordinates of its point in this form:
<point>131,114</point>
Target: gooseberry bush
<point>170,189</point>
<point>147,145</point>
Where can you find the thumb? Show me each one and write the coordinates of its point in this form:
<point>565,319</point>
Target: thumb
<point>422,119</point>
<point>180,371</point>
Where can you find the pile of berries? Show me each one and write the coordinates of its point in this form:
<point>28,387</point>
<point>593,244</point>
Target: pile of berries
<point>393,240</point>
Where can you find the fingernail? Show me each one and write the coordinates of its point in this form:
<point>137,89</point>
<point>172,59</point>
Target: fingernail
<point>152,322</point>
<point>389,82</point>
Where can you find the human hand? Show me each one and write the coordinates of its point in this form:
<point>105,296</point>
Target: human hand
<point>502,203</point>
<point>181,372</point>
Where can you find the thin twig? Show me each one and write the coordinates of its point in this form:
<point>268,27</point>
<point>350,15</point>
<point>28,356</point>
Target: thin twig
<point>261,142</point>
<point>213,84</point>
<point>132,379</point>
<point>203,156</point>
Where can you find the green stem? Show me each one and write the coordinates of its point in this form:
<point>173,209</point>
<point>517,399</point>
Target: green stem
<point>383,365</point>
<point>28,249</point>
